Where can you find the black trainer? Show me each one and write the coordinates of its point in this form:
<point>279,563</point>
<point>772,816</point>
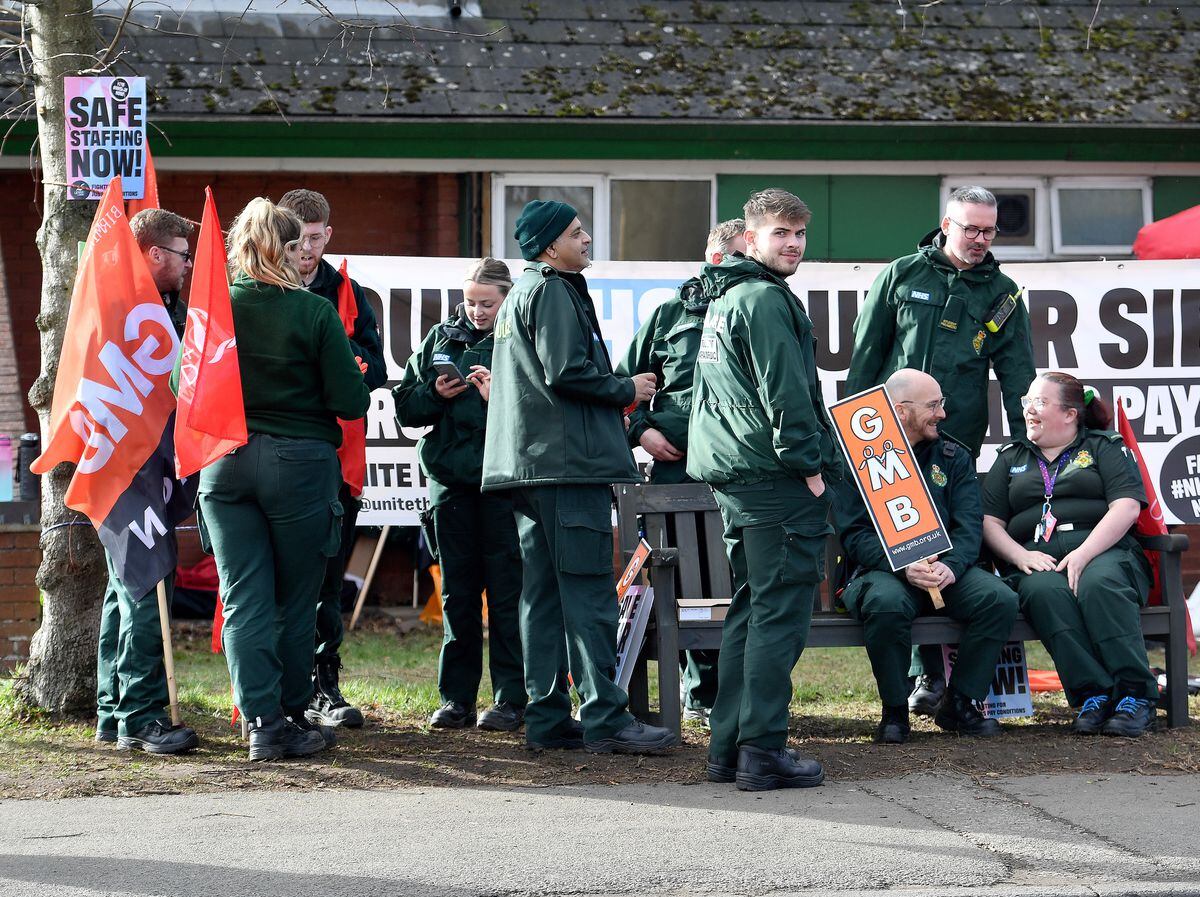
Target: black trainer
<point>277,737</point>
<point>927,695</point>
<point>1131,718</point>
<point>958,713</point>
<point>893,725</point>
<point>567,737</point>
<point>452,715</point>
<point>760,769</point>
<point>160,737</point>
<point>636,738</point>
<point>501,717</point>
<point>105,735</point>
<point>328,707</point>
<point>1092,715</point>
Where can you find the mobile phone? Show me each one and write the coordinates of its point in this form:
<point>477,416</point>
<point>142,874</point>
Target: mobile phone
<point>450,371</point>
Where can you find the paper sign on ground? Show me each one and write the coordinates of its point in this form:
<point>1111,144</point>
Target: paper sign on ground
<point>1009,695</point>
<point>889,478</point>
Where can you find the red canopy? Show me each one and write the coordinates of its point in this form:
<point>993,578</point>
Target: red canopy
<point>1177,237</point>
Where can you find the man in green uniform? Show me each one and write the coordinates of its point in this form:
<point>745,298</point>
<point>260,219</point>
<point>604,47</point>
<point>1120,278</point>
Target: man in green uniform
<point>887,602</point>
<point>328,706</point>
<point>666,345</point>
<point>556,439</point>
<point>476,536</point>
<point>760,437</point>
<point>948,311</point>
<point>131,680</point>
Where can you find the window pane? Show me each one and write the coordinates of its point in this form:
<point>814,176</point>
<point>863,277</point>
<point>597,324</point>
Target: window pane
<point>660,221</point>
<point>1099,217</point>
<point>516,197</point>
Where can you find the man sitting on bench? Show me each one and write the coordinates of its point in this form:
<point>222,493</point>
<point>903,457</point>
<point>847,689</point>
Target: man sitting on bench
<point>887,602</point>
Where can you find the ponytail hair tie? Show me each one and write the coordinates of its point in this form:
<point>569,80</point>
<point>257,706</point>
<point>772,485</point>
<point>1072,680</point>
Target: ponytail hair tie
<point>1088,395</point>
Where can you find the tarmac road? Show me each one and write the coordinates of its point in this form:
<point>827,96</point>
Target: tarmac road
<point>921,835</point>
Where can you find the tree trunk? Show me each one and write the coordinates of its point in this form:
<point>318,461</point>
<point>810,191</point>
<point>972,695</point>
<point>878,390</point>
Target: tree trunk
<point>61,675</point>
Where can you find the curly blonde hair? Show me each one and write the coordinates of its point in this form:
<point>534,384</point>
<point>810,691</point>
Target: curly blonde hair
<point>258,241</point>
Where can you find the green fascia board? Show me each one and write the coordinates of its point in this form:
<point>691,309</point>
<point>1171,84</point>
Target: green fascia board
<point>657,139</point>
<point>1174,194</point>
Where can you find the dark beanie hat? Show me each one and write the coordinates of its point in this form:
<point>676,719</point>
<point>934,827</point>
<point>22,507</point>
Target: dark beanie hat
<point>540,223</point>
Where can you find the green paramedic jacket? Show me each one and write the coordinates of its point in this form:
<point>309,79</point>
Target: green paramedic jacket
<point>452,452</point>
<point>757,411</point>
<point>666,346</point>
<point>922,312</point>
<point>555,414</point>
<point>954,486</point>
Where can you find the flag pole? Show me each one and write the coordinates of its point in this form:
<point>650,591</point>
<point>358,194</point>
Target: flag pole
<point>164,621</point>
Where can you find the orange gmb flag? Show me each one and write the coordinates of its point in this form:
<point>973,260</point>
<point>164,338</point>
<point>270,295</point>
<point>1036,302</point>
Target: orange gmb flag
<point>112,394</point>
<point>212,417</point>
<point>889,478</point>
<point>149,198</point>
<point>353,452</point>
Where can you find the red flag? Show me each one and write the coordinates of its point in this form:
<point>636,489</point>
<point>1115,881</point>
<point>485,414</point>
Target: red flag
<point>353,453</point>
<point>212,417</point>
<point>1176,237</point>
<point>112,395</point>
<point>149,198</point>
<point>1150,522</point>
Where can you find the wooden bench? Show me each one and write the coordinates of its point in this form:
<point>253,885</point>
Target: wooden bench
<point>684,527</point>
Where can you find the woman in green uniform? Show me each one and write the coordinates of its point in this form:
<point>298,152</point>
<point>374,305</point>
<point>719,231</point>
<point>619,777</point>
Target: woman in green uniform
<point>476,535</point>
<point>270,508</point>
<point>1059,506</point>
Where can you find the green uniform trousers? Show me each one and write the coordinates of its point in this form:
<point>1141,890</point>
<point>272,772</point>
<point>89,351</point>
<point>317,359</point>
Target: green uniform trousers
<point>699,667</point>
<point>775,537</point>
<point>569,610</point>
<point>271,512</point>
<point>131,680</point>
<point>1095,637</point>
<point>887,605</point>
<point>479,549</point>
<point>330,630</point>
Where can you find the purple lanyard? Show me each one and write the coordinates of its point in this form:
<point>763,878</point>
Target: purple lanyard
<point>1048,480</point>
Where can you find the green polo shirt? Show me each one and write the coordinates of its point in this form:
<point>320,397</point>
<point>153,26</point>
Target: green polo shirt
<point>1100,470</point>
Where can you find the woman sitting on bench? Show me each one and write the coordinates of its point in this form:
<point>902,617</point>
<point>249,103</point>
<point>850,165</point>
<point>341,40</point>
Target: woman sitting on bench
<point>1059,508</point>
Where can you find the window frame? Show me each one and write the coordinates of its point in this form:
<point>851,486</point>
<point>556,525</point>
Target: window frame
<point>601,184</point>
<point>1041,248</point>
<point>1144,184</point>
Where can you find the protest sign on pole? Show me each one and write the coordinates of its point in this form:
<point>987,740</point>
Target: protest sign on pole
<point>106,135</point>
<point>889,478</point>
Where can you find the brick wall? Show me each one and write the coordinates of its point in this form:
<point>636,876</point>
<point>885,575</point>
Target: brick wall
<point>20,609</point>
<point>373,214</point>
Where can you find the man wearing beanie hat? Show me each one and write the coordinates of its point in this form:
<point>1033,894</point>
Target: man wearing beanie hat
<point>556,439</point>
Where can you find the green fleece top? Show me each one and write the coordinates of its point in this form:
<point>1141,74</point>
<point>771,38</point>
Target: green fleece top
<point>298,372</point>
<point>666,345</point>
<point>554,417</point>
<point>922,312</point>
<point>451,453</point>
<point>757,410</point>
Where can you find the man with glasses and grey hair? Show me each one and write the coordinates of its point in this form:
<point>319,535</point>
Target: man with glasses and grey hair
<point>947,310</point>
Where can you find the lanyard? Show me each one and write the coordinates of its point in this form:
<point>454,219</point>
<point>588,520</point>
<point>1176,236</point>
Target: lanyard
<point>1048,480</point>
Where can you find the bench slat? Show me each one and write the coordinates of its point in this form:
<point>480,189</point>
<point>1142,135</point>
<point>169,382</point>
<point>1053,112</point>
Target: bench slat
<point>689,556</point>
<point>719,578</point>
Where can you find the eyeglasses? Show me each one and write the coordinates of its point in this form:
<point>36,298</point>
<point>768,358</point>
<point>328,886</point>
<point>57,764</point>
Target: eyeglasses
<point>1037,403</point>
<point>971,232</point>
<point>313,240</point>
<point>186,255</point>
<point>929,406</point>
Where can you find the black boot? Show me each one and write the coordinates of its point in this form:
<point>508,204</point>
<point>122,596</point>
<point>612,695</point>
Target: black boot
<point>927,695</point>
<point>958,713</point>
<point>635,738</point>
<point>160,737</point>
<point>328,707</point>
<point>502,717</point>
<point>301,721</point>
<point>452,715</point>
<point>893,726</point>
<point>275,737</point>
<point>759,769</point>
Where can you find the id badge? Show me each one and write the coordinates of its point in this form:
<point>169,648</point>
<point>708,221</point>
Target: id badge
<point>1047,524</point>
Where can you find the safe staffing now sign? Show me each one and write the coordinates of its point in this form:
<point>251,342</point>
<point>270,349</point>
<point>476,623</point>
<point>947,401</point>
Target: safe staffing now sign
<point>106,135</point>
<point>889,478</point>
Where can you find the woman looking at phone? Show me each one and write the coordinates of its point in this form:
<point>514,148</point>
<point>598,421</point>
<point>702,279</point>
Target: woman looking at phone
<point>446,386</point>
